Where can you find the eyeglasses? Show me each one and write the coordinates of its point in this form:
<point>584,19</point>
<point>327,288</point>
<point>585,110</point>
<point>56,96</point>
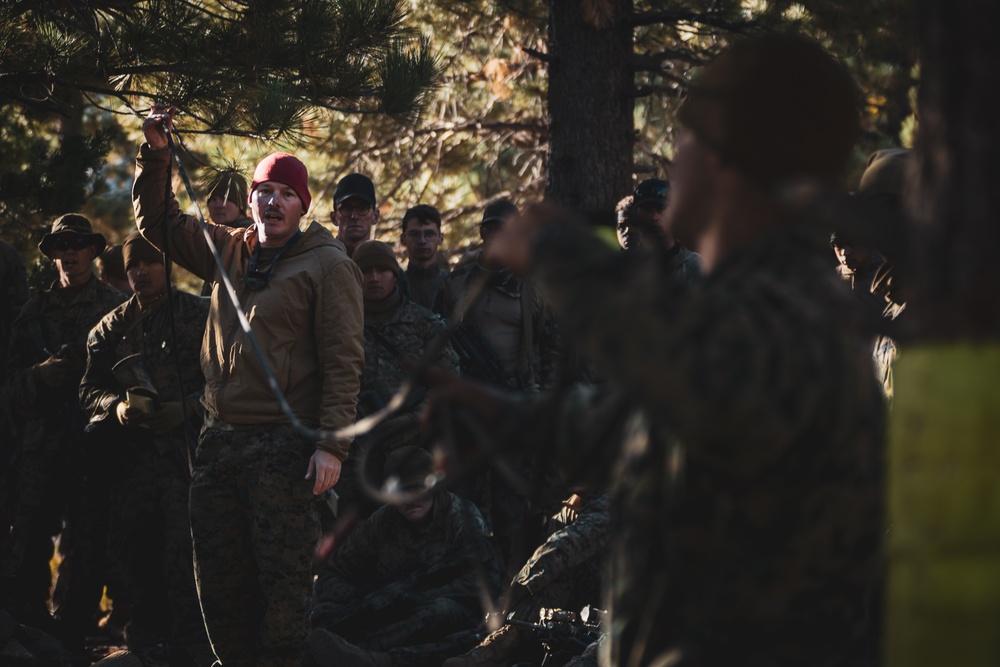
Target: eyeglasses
<point>361,210</point>
<point>427,234</point>
<point>74,242</point>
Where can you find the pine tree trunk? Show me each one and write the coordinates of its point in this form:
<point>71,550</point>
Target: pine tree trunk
<point>956,199</point>
<point>591,127</point>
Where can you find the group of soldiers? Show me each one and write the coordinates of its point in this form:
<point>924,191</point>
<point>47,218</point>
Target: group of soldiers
<point>690,439</point>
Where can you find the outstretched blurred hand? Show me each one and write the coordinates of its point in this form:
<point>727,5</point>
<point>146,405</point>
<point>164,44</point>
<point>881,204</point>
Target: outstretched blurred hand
<point>511,245</point>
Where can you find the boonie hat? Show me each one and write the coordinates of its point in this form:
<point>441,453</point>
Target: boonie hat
<point>72,224</point>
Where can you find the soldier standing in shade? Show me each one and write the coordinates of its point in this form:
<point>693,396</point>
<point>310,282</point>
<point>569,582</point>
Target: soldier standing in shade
<point>397,330</point>
<point>59,471</point>
<point>150,528</point>
<point>254,515</point>
<point>513,326</point>
<point>643,225</point>
<point>355,211</point>
<point>421,236</point>
<point>13,295</point>
<point>747,499</point>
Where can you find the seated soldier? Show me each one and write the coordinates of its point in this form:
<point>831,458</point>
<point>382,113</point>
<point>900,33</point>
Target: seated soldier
<point>405,587</point>
<point>565,572</point>
<point>396,330</point>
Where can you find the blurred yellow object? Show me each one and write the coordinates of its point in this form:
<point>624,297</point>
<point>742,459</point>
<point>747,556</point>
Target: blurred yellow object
<point>943,600</point>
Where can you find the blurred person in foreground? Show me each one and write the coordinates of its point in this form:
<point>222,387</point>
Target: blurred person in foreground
<point>254,514</point>
<point>743,434</point>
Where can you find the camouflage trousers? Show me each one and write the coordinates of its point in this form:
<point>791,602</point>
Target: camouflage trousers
<point>255,527</point>
<point>151,541</point>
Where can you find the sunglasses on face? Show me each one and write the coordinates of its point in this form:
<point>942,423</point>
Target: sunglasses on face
<point>71,242</point>
<point>361,210</point>
<point>427,234</point>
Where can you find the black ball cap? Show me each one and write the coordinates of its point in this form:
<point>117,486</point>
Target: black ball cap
<point>499,210</point>
<point>354,185</point>
<point>652,191</point>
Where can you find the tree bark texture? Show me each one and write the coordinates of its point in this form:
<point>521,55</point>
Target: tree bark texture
<point>591,131</point>
<point>955,201</point>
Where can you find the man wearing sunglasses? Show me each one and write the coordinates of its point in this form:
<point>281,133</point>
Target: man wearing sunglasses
<point>422,237</point>
<point>47,359</point>
<point>355,212</point>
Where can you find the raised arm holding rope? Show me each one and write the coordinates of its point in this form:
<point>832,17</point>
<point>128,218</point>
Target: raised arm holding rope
<point>252,513</point>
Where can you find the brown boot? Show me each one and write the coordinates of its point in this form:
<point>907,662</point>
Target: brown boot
<point>491,652</point>
<point>330,650</point>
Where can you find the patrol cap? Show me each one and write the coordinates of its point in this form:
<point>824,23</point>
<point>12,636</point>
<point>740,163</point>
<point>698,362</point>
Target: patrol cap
<point>354,185</point>
<point>137,248</point>
<point>885,173</point>
<point>498,211</point>
<point>778,108</point>
<point>375,254</point>
<point>652,191</point>
<point>72,225</point>
<point>413,466</point>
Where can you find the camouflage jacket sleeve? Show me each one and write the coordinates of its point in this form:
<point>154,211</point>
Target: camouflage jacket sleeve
<point>580,541</point>
<point>582,427</point>
<point>716,364</point>
<point>547,333</point>
<point>473,539</point>
<point>356,561</point>
<point>155,205</point>
<point>99,390</point>
<point>27,349</point>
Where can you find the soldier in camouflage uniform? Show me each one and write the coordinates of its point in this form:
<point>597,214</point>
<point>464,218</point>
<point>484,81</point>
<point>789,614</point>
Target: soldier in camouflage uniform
<point>405,589</point>
<point>59,468</point>
<point>881,188</point>
<point>516,324</point>
<point>421,236</point>
<point>747,502</point>
<point>396,330</point>
<point>642,226</point>
<point>150,527</point>
<point>565,572</point>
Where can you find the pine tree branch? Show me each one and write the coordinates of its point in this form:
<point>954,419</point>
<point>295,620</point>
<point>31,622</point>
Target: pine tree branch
<point>539,55</point>
<point>651,62</point>
<point>712,19</point>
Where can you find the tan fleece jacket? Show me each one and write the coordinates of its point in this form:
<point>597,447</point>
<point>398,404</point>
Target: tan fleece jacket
<point>308,320</point>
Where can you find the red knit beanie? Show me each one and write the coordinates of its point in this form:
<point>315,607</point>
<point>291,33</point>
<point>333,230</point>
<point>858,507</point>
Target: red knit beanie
<point>287,170</point>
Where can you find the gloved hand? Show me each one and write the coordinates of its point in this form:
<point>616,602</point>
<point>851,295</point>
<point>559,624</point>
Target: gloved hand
<point>167,418</point>
<point>55,372</point>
